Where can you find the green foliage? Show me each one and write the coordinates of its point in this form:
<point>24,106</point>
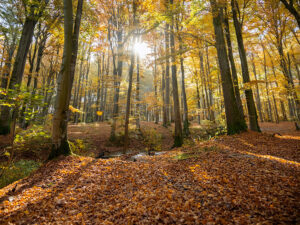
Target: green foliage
<point>33,139</point>
<point>185,155</point>
<point>16,171</point>
<point>117,140</point>
<point>195,154</point>
<point>78,147</point>
<point>18,97</point>
<point>152,139</point>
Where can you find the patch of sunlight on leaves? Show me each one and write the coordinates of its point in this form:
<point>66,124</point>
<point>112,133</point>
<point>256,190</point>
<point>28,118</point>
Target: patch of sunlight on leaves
<point>16,171</point>
<point>183,156</point>
<point>200,175</point>
<point>195,153</point>
<point>281,160</point>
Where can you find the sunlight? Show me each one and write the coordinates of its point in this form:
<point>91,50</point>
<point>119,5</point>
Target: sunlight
<point>281,160</point>
<point>142,49</point>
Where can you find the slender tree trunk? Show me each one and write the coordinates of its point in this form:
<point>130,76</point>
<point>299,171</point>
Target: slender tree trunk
<point>163,87</point>
<point>208,78</point>
<point>137,116</point>
<point>130,75</point>
<point>292,9</point>
<point>117,78</point>
<point>245,71</point>
<point>235,123</point>
<point>259,108</point>
<point>178,138</point>
<point>5,110</point>
<point>167,82</point>
<point>232,64</point>
<point>198,100</point>
<point>281,102</point>
<point>269,108</point>
<point>18,70</point>
<point>156,112</point>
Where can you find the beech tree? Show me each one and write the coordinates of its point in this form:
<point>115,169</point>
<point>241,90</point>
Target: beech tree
<point>60,145</point>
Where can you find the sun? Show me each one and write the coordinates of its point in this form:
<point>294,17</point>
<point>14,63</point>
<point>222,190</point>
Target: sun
<point>142,49</point>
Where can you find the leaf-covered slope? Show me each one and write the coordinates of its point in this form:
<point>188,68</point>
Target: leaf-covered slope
<point>246,178</point>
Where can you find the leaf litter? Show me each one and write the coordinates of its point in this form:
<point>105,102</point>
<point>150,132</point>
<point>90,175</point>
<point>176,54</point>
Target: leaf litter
<point>248,178</point>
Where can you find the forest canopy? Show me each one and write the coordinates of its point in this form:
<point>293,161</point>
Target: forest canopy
<point>227,63</point>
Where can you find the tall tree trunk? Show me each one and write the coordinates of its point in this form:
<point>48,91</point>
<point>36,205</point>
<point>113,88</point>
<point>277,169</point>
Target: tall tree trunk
<point>259,108</point>
<point>18,70</point>
<point>163,89</point>
<point>292,9</point>
<point>137,110</point>
<point>186,130</point>
<point>130,75</point>
<point>60,145</point>
<point>245,71</point>
<point>117,77</point>
<point>167,81</point>
<point>208,78</point>
<point>178,138</point>
<point>156,112</point>
<point>281,102</point>
<point>5,110</point>
<point>232,64</point>
<point>269,108</point>
<point>290,86</point>
<point>198,100</point>
<point>235,123</point>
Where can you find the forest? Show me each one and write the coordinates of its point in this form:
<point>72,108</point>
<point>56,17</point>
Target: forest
<point>149,111</point>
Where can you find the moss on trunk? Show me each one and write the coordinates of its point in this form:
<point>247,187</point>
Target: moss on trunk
<point>63,149</point>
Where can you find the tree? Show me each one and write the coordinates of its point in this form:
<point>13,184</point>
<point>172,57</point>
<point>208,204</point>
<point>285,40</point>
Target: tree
<point>293,9</point>
<point>178,138</point>
<point>245,71</point>
<point>33,11</point>
<point>235,123</point>
<point>60,145</point>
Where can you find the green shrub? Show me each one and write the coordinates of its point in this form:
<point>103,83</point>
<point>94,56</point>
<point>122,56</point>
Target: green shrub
<point>78,147</point>
<point>35,139</point>
<point>152,139</point>
<point>16,171</point>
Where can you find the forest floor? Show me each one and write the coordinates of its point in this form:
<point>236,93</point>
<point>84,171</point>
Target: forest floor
<point>248,178</point>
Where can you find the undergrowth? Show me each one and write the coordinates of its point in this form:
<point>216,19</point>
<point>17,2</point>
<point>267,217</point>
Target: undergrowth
<point>16,171</point>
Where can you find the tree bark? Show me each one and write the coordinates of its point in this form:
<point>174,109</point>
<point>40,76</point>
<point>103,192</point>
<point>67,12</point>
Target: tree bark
<point>259,108</point>
<point>245,71</point>
<point>178,138</point>
<point>235,123</point>
<point>167,81</point>
<point>292,9</point>
<point>232,64</point>
<point>60,145</point>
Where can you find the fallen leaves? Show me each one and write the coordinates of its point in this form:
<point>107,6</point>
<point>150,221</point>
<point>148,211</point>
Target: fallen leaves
<point>231,184</point>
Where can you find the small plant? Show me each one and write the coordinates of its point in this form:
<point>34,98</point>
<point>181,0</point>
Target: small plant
<point>78,147</point>
<point>16,171</point>
<point>32,140</point>
<point>117,140</point>
<point>185,155</point>
<point>153,140</point>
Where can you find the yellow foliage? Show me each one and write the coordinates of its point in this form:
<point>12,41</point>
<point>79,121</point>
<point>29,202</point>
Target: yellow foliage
<point>74,110</point>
